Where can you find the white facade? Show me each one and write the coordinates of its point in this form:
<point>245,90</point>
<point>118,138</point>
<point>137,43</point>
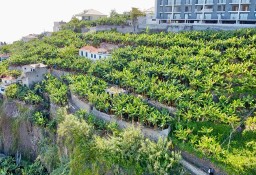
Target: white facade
<point>57,26</point>
<point>94,53</point>
<point>90,15</point>
<point>32,74</point>
<point>29,37</point>
<point>93,56</point>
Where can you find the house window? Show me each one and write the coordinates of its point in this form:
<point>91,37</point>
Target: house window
<point>86,54</point>
<point>82,53</point>
<point>99,57</point>
<point>94,55</point>
<point>91,55</point>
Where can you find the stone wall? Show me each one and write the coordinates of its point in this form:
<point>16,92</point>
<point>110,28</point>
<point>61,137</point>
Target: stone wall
<point>58,73</point>
<point>191,26</point>
<point>148,132</point>
<point>121,29</point>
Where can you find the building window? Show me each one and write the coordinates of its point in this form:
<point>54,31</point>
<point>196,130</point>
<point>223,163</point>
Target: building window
<point>94,55</point>
<point>91,55</point>
<point>82,53</point>
<point>245,8</point>
<point>235,8</point>
<point>221,8</point>
<point>99,57</point>
<point>86,54</point>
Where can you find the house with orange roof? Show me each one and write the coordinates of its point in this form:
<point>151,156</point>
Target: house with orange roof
<point>4,57</point>
<point>6,81</point>
<point>94,53</point>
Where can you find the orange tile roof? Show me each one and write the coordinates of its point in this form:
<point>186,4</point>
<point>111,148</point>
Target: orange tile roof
<point>4,55</point>
<point>92,49</point>
<point>8,78</point>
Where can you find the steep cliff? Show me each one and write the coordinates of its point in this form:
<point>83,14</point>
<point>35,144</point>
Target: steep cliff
<point>17,133</point>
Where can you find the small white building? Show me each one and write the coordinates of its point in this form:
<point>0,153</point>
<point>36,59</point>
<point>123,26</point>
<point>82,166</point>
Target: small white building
<point>90,15</point>
<point>4,57</point>
<point>57,26</point>
<point>94,53</point>
<point>150,17</point>
<point>6,81</point>
<point>29,37</point>
<point>32,74</point>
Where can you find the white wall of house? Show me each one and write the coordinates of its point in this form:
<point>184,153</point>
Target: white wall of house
<point>92,17</point>
<point>8,82</point>
<point>33,77</point>
<point>93,56</point>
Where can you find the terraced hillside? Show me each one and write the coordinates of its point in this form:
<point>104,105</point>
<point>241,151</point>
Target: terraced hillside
<point>209,77</point>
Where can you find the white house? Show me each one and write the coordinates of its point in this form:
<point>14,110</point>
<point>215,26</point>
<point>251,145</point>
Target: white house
<point>29,37</point>
<point>32,74</point>
<point>90,15</point>
<point>4,57</point>
<point>57,26</point>
<point>6,81</point>
<point>94,53</point>
<point>149,18</point>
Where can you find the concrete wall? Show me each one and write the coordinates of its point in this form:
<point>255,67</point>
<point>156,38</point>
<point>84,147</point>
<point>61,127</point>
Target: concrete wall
<point>121,29</point>
<point>58,73</point>
<point>80,104</point>
<point>148,132</point>
<point>217,27</point>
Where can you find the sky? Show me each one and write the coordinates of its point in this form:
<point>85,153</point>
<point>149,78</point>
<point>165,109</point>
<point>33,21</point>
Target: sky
<point>22,17</point>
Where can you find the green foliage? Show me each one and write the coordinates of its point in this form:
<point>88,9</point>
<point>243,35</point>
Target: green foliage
<point>208,76</point>
<point>8,166</point>
<point>127,152</point>
<point>56,90</point>
<point>16,91</point>
<point>250,124</point>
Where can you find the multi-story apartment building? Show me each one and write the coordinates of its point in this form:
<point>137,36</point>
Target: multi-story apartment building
<point>206,11</point>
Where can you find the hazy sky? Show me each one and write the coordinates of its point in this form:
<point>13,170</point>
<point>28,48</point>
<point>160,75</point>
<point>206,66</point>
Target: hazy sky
<point>22,17</point>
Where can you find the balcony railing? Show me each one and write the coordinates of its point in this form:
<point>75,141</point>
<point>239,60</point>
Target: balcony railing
<point>235,1</point>
<point>222,1</point>
<point>246,1</point>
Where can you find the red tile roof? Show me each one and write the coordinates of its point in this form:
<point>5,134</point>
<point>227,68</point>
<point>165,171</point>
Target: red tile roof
<point>8,78</point>
<point>5,55</point>
<point>92,49</point>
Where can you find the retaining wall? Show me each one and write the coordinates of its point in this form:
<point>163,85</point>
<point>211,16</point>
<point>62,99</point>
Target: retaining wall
<point>148,132</point>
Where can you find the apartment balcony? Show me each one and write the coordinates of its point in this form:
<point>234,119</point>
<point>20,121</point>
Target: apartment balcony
<point>235,2</point>
<point>188,2</point>
<point>234,16</point>
<point>243,16</point>
<point>200,2</point>
<point>245,1</point>
<point>207,16</point>
<point>176,16</point>
<point>177,2</point>
<point>221,1</point>
<point>209,2</point>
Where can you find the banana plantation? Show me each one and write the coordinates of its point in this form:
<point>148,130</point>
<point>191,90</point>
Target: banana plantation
<point>208,76</point>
